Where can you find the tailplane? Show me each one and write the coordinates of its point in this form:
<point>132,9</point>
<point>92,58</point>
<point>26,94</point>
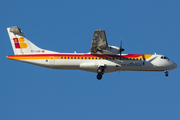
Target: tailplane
<point>21,45</point>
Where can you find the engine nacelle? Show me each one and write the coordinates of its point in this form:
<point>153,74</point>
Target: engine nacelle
<point>92,67</point>
<point>111,50</point>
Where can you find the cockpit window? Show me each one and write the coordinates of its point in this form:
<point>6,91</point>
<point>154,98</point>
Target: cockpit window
<point>164,57</point>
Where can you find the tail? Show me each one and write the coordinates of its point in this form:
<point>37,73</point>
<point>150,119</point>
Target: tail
<point>21,45</point>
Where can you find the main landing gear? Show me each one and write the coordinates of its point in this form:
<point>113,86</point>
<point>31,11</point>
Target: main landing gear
<point>166,73</point>
<point>100,72</point>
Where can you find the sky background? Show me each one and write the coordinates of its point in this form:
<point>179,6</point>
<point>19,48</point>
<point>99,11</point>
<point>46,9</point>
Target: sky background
<point>29,92</point>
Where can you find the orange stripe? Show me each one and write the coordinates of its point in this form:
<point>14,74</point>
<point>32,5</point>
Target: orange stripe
<point>72,56</point>
<point>81,55</point>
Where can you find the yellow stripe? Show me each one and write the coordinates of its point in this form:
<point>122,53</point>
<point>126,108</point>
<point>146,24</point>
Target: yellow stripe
<point>146,56</point>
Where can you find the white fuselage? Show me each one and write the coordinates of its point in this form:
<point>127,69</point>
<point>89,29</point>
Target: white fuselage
<point>90,63</point>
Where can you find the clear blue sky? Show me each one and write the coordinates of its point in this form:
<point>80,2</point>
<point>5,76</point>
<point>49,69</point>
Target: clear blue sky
<point>29,92</point>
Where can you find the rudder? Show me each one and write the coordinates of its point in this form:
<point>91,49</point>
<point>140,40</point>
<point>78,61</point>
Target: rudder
<point>21,45</point>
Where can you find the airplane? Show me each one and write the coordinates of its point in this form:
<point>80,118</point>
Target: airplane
<point>101,59</point>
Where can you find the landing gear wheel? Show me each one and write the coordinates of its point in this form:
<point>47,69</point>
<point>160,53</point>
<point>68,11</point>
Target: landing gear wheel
<point>99,76</point>
<point>100,72</point>
<point>166,73</point>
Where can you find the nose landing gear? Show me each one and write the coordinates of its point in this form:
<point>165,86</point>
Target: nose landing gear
<point>99,76</point>
<point>100,72</point>
<point>166,73</point>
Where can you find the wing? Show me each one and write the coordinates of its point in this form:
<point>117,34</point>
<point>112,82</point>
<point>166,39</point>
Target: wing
<point>99,42</point>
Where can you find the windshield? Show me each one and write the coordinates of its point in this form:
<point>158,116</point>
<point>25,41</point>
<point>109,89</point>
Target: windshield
<point>164,57</point>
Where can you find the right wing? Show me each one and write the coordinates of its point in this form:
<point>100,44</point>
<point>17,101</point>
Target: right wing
<point>99,42</point>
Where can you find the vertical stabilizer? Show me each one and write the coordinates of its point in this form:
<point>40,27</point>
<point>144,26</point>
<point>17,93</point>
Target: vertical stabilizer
<point>21,45</point>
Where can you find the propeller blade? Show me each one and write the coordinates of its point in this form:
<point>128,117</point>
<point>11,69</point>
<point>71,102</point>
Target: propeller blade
<point>121,44</point>
<point>120,49</point>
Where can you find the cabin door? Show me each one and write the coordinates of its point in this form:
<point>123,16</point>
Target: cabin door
<point>51,61</point>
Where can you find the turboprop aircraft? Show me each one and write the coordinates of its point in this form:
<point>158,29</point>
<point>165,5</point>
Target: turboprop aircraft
<point>101,59</point>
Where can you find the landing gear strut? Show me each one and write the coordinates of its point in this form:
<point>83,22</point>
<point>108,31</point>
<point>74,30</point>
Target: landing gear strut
<point>166,73</point>
<point>100,72</point>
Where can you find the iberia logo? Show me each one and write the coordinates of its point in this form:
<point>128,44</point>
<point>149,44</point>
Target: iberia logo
<point>19,43</point>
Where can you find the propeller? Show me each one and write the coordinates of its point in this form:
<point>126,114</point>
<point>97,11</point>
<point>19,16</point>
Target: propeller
<point>121,49</point>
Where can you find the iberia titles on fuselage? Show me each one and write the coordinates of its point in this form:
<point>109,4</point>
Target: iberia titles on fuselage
<point>101,59</point>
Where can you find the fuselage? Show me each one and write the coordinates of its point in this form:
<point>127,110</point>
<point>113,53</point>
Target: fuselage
<point>91,62</point>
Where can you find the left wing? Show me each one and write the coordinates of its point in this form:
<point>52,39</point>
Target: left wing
<point>99,42</point>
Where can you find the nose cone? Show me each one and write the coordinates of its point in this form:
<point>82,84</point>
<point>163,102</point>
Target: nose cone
<point>174,65</point>
<point>168,65</point>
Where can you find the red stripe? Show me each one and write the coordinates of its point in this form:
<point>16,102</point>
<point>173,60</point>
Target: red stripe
<point>132,55</point>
